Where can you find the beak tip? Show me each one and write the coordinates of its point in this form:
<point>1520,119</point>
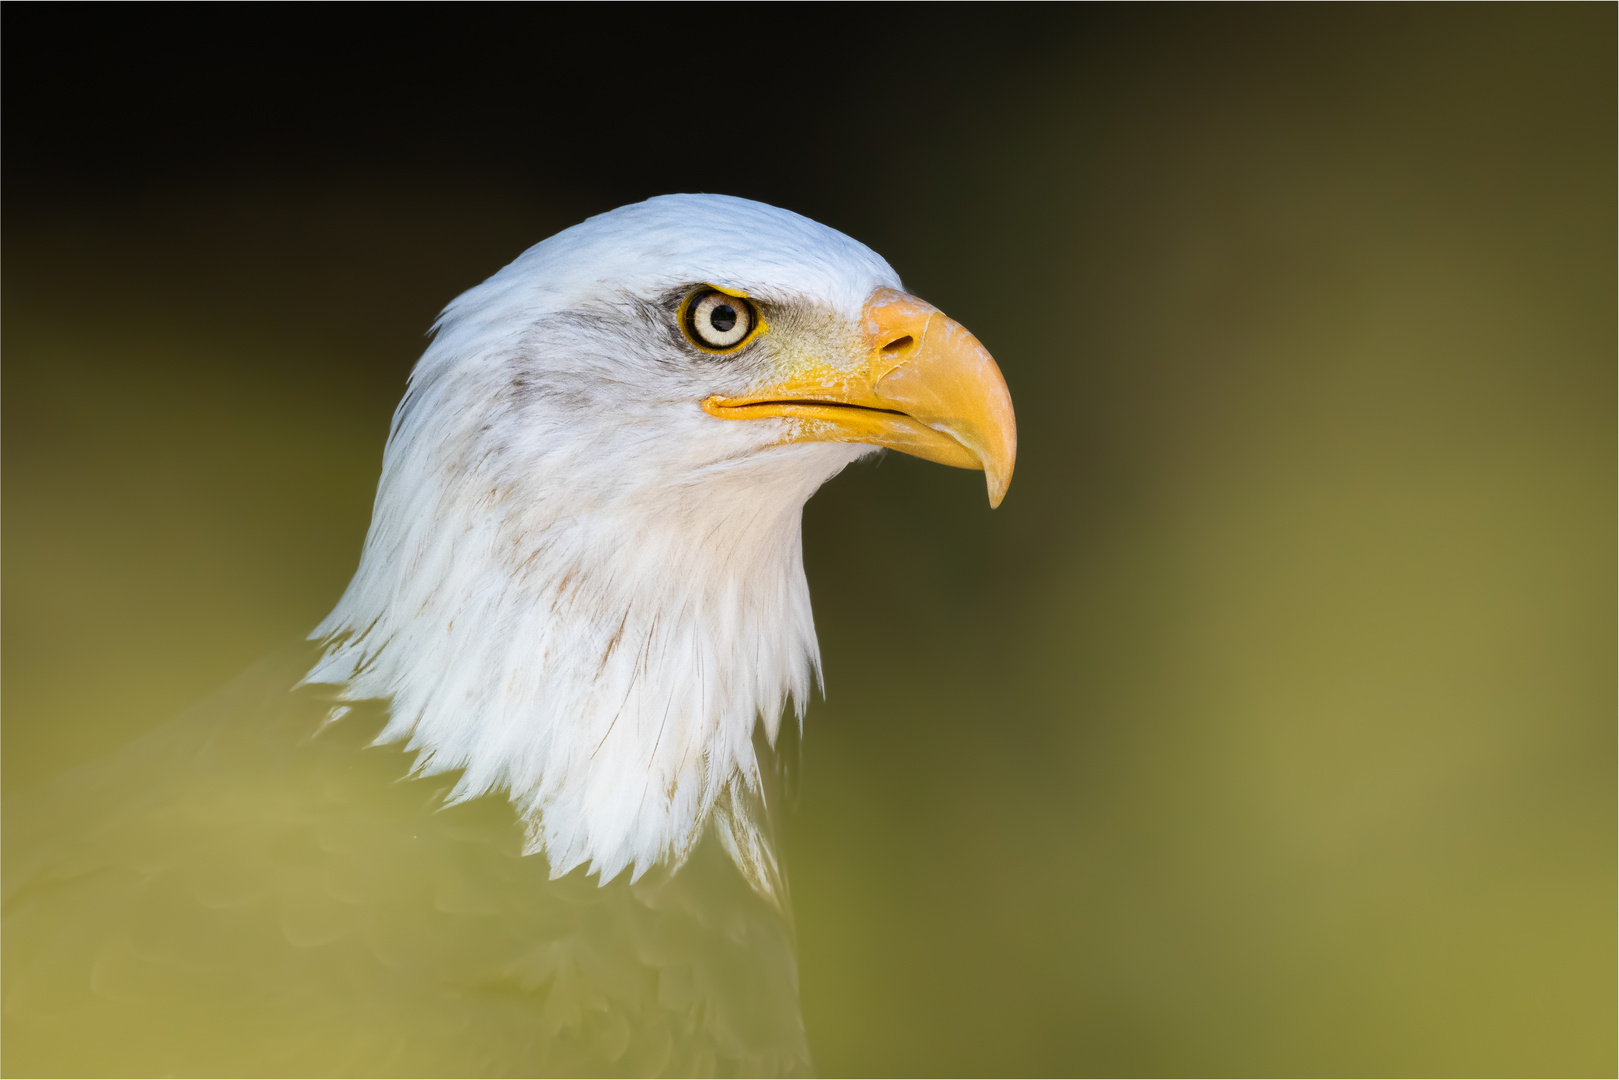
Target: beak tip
<point>997,487</point>
<point>998,462</point>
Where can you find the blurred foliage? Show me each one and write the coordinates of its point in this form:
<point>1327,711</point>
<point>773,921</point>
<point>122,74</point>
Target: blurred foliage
<point>1267,728</point>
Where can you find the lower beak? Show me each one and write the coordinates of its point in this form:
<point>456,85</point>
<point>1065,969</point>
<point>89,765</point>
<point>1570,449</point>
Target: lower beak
<point>923,386</point>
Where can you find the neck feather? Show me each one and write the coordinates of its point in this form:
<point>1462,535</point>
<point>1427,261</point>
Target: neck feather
<point>600,652</point>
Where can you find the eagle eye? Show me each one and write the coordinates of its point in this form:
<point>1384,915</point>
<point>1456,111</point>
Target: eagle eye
<point>717,321</point>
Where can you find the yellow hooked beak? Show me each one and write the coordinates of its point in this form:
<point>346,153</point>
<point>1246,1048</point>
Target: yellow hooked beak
<point>921,385</point>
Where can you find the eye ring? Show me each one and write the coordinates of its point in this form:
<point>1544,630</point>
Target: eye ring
<point>719,321</point>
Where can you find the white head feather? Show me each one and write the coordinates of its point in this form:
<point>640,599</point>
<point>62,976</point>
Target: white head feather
<point>577,586</point>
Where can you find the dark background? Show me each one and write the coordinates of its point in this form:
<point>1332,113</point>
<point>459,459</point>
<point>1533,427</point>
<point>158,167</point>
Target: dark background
<point>1268,727</point>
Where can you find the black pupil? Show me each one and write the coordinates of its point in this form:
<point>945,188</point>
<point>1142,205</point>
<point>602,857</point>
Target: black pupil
<point>723,318</point>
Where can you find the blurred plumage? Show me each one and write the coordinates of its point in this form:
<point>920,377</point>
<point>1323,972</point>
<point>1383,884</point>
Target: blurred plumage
<point>579,614</point>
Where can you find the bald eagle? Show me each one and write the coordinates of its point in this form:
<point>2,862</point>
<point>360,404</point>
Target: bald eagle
<point>513,807</point>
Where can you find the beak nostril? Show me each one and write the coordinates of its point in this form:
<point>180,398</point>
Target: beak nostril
<point>899,343</point>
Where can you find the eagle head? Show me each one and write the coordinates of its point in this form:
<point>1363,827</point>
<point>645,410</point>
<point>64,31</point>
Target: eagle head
<point>583,583</point>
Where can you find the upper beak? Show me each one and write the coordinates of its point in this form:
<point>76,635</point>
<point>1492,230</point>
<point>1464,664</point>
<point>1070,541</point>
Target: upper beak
<point>922,385</point>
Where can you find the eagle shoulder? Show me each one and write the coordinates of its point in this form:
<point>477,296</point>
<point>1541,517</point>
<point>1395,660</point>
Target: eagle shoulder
<point>253,889</point>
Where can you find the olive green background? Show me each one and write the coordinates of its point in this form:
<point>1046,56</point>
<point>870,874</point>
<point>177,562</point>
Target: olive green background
<point>1267,728</point>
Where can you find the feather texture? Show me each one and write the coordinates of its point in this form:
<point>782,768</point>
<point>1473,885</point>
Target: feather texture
<point>579,617</point>
<point>248,892</point>
<point>579,588</point>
